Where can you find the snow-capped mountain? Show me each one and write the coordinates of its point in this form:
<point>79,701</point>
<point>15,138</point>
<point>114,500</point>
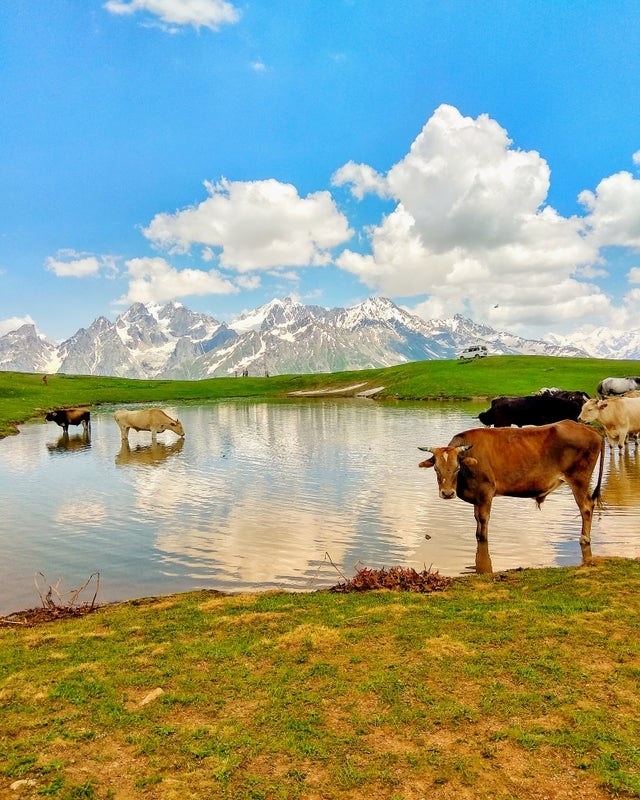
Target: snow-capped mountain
<point>603,342</point>
<point>282,336</point>
<point>26,350</point>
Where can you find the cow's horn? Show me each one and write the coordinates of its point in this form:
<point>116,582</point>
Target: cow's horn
<point>427,449</point>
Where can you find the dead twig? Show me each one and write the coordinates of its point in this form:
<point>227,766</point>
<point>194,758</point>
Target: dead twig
<point>328,558</point>
<point>53,606</point>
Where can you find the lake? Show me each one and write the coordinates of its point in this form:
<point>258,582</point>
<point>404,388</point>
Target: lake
<point>258,496</point>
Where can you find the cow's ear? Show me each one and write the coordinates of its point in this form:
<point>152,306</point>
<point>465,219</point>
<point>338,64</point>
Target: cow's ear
<point>603,404</point>
<point>428,463</point>
<point>469,461</point>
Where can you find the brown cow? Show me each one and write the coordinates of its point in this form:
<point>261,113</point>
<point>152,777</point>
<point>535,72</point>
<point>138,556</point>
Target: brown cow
<point>70,416</point>
<point>481,463</point>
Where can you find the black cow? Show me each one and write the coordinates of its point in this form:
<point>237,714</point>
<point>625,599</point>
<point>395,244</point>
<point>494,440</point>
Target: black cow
<point>576,397</point>
<point>540,409</point>
<point>70,416</point>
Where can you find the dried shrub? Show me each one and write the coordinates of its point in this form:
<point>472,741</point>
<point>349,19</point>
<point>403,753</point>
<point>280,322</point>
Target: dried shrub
<point>399,579</point>
<point>54,606</point>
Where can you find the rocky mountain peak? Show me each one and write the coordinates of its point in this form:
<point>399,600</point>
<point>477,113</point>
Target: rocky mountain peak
<point>281,336</point>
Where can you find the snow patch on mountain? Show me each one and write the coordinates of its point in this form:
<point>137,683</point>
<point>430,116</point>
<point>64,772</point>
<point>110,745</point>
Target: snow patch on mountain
<point>602,342</point>
<point>282,336</point>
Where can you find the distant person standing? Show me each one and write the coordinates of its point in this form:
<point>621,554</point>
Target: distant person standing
<point>44,379</point>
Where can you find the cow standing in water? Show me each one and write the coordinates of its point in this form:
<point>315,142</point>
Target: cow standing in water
<point>619,416</point>
<point>147,419</point>
<point>70,416</point>
<point>535,409</point>
<point>482,463</point>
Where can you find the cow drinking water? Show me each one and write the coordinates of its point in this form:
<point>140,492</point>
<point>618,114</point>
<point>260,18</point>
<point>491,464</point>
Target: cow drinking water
<point>482,463</point>
<point>147,419</point>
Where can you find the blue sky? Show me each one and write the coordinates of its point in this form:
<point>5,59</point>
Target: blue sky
<point>458,157</point>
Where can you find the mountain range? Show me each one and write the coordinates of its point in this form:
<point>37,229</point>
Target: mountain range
<point>282,337</point>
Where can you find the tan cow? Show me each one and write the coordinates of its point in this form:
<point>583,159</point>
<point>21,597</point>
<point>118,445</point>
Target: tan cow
<point>482,463</point>
<point>147,419</point>
<point>618,416</point>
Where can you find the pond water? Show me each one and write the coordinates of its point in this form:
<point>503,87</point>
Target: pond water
<point>269,495</point>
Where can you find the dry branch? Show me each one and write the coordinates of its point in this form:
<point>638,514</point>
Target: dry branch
<point>404,579</point>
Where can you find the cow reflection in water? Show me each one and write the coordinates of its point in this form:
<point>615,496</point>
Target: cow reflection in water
<point>621,486</point>
<point>66,443</point>
<point>147,455</point>
<point>483,559</point>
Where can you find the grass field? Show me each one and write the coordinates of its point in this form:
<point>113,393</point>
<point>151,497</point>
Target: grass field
<point>517,685</point>
<point>522,685</point>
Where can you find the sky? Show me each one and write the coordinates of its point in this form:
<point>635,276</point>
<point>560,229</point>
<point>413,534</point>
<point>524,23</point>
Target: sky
<point>474,157</point>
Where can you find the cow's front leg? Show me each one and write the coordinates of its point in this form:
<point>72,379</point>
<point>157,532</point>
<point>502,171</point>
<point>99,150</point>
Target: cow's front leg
<point>482,511</point>
<point>585,502</point>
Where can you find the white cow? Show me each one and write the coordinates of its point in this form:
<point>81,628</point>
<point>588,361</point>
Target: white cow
<point>617,386</point>
<point>618,416</point>
<point>147,419</point>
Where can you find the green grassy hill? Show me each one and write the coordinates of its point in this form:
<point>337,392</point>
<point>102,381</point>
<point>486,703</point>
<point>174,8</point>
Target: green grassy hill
<point>24,396</point>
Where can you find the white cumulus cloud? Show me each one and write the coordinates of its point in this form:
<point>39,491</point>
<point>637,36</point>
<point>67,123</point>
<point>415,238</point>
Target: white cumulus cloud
<point>69,264</point>
<point>197,13</point>
<point>255,225</point>
<point>361,178</point>
<point>614,211</point>
<point>634,275</point>
<point>472,230</point>
<point>153,280</point>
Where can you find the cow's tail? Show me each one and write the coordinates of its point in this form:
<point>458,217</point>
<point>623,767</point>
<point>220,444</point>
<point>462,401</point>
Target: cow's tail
<point>595,496</point>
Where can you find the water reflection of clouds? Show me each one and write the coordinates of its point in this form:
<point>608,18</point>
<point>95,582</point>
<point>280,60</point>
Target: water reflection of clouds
<point>76,514</point>
<point>251,543</point>
<point>258,483</point>
<point>30,452</point>
<point>256,494</point>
